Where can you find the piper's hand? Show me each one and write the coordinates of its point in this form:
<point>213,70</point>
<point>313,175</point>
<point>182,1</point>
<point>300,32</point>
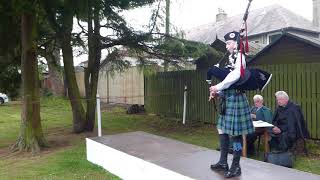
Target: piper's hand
<point>213,89</point>
<point>213,92</point>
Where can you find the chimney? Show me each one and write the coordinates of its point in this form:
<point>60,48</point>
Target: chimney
<point>221,15</point>
<point>316,13</point>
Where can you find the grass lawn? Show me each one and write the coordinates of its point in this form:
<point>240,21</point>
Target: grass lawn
<point>66,158</point>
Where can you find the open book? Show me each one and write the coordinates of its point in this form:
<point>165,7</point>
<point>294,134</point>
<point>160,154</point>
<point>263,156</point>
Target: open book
<point>260,123</point>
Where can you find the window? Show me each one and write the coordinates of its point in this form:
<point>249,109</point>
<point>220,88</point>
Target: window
<point>274,36</point>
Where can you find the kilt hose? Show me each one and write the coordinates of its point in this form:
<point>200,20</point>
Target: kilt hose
<point>236,120</point>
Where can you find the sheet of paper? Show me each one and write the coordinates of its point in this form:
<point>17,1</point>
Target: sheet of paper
<point>260,123</point>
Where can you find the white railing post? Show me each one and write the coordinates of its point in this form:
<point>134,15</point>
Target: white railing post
<point>184,104</point>
<point>99,116</point>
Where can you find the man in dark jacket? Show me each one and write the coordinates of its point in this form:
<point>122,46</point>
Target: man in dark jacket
<point>287,119</point>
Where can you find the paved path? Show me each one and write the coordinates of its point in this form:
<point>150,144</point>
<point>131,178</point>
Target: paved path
<point>193,161</point>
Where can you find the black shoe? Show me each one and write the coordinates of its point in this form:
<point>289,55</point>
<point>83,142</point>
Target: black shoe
<point>233,172</point>
<point>219,167</point>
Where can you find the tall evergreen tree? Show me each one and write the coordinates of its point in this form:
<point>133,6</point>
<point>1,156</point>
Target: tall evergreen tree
<point>60,16</point>
<point>142,44</point>
<point>31,135</point>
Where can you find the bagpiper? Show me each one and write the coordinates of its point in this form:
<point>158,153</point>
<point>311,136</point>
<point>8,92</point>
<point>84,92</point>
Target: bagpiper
<point>234,118</point>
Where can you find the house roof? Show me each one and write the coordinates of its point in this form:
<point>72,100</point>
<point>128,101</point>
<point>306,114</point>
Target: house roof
<point>309,40</point>
<point>260,21</point>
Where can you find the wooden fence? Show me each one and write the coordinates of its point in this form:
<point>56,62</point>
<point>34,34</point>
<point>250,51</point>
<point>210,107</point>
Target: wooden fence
<point>164,93</point>
<point>119,87</point>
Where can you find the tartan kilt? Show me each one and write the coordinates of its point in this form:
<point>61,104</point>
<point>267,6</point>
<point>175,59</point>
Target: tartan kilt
<point>237,119</point>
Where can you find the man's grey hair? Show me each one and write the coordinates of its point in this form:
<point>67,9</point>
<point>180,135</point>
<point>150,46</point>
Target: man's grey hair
<point>257,97</point>
<point>282,94</point>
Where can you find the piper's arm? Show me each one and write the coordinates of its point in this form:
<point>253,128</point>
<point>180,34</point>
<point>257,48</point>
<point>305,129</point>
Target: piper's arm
<point>233,76</point>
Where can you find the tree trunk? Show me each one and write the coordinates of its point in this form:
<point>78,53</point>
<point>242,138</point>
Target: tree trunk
<point>55,76</point>
<point>73,89</point>
<point>63,29</point>
<point>31,135</point>
<point>92,71</point>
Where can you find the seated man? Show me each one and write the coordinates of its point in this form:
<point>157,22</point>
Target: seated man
<point>286,129</point>
<point>258,112</point>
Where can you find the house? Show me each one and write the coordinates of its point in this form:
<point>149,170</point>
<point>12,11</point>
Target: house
<point>265,25</point>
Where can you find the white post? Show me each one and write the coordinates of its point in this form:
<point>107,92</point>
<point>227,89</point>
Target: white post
<point>99,115</point>
<point>184,104</point>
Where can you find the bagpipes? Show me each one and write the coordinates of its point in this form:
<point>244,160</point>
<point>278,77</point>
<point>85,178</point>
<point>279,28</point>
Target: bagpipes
<point>250,79</point>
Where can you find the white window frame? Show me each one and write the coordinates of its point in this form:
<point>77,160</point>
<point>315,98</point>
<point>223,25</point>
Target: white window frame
<point>272,34</point>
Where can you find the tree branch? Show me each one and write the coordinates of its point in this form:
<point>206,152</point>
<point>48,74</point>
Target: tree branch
<point>51,16</point>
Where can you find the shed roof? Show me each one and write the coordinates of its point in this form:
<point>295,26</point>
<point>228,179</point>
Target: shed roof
<point>300,38</point>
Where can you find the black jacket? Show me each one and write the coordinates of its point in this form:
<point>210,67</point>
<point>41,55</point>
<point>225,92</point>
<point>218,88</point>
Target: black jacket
<point>287,119</point>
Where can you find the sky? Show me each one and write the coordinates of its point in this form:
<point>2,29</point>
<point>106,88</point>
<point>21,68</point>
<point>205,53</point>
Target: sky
<point>186,14</point>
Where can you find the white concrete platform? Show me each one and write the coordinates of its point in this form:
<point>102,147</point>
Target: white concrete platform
<point>143,156</point>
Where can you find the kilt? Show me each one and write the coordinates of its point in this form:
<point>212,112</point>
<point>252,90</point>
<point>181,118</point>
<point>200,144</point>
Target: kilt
<point>237,119</point>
